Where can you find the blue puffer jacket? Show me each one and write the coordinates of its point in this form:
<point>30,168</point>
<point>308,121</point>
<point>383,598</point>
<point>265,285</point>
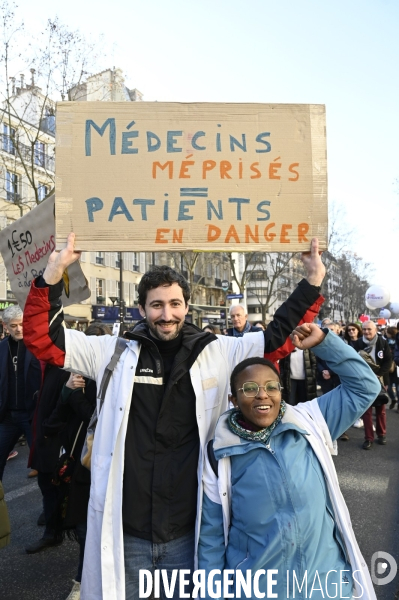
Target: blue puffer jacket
<point>282,516</point>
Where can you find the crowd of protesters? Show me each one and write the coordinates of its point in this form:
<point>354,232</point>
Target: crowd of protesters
<point>173,429</point>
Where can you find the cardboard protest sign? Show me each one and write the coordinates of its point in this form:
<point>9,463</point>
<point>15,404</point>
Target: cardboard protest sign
<point>26,245</point>
<point>167,176</point>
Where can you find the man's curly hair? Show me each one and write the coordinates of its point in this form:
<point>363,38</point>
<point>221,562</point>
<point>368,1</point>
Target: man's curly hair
<point>161,276</point>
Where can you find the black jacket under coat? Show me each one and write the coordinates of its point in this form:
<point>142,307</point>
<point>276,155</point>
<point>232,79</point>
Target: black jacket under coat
<point>253,329</point>
<point>45,451</point>
<point>64,423</point>
<point>310,375</point>
<point>383,356</point>
<point>326,384</point>
<point>32,377</point>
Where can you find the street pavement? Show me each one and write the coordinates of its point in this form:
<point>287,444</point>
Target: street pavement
<point>369,481</point>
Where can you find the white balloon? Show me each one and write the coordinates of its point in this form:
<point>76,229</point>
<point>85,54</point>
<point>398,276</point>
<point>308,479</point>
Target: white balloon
<point>394,306</point>
<point>385,313</point>
<point>377,296</point>
<point>369,305</point>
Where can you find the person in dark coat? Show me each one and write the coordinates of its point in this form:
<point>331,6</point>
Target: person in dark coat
<point>352,333</point>
<point>20,376</point>
<point>390,336</point>
<point>327,379</point>
<point>298,377</point>
<point>395,353</point>
<point>69,421</point>
<point>45,452</point>
<point>377,350</point>
<point>5,529</point>
<point>238,316</point>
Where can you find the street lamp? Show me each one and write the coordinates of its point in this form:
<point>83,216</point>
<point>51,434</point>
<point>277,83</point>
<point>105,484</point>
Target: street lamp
<point>113,299</point>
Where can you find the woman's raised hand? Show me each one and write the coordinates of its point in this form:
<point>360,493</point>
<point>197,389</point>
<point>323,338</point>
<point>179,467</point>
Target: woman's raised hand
<point>307,336</point>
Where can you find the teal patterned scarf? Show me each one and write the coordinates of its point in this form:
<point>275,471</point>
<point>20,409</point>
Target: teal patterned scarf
<point>253,436</point>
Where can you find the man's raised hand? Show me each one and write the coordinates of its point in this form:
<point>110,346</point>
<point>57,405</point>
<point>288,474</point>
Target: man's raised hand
<point>59,261</point>
<point>315,270</point>
<point>307,336</point>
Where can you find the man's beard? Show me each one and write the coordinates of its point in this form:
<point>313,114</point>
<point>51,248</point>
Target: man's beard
<point>165,336</point>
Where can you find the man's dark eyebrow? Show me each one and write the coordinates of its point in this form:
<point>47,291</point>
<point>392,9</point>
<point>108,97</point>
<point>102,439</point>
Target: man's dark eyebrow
<point>169,301</point>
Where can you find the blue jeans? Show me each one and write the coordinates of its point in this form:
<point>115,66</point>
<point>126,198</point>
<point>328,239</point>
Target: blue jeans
<point>14,424</point>
<point>390,391</point>
<point>81,531</point>
<point>143,554</point>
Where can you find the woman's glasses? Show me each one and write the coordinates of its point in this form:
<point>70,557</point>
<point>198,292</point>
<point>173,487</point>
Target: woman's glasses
<point>251,389</point>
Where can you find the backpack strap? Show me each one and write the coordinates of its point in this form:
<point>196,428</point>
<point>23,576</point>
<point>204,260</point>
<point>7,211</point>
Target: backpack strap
<point>212,458</point>
<point>121,344</point>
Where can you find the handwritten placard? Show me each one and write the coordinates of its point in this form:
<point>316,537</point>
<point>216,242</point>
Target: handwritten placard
<point>168,176</point>
<point>26,245</point>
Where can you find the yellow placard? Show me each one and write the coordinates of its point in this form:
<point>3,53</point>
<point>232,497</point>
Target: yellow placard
<point>152,176</point>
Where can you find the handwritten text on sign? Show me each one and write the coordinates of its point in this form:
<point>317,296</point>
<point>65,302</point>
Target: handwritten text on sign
<point>26,245</point>
<point>179,176</point>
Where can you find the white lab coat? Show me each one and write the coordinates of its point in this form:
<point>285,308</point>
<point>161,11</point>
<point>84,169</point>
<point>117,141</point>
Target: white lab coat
<point>103,571</point>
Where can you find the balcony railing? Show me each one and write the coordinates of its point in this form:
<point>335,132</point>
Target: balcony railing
<point>24,152</point>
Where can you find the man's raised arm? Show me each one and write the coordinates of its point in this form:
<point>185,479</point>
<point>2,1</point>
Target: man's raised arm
<point>44,334</point>
<point>301,307</point>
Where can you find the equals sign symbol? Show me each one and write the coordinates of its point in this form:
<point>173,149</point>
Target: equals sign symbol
<point>194,192</point>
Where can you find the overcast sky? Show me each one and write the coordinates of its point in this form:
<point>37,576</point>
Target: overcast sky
<point>341,53</point>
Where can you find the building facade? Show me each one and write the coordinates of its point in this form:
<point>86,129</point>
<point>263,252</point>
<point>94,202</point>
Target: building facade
<point>28,173</point>
<point>27,162</point>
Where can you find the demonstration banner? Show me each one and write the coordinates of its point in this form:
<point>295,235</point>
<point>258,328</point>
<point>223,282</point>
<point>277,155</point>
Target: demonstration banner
<point>153,176</point>
<point>26,245</point>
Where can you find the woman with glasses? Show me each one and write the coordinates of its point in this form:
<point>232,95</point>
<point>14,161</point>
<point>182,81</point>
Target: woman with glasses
<point>352,333</point>
<point>271,494</point>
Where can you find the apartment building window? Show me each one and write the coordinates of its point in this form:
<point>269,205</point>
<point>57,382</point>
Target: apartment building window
<point>8,139</point>
<point>10,293</point>
<point>118,260</point>
<point>136,261</point>
<point>100,258</point>
<point>42,191</point>
<point>254,309</point>
<point>100,291</point>
<point>40,154</point>
<point>12,187</point>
